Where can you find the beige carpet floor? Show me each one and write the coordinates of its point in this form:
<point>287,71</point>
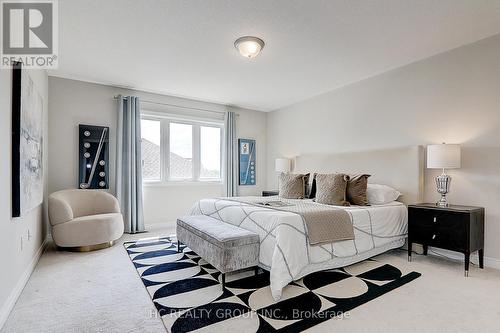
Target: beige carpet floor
<point>101,292</point>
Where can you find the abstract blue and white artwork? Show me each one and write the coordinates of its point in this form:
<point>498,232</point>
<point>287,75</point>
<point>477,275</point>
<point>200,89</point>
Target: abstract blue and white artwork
<point>247,162</point>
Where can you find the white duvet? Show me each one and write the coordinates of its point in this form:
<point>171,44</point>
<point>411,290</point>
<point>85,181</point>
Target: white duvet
<point>284,248</point>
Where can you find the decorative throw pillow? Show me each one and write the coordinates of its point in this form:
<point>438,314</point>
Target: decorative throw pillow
<point>291,186</point>
<point>356,189</point>
<point>381,194</point>
<point>308,181</point>
<point>331,189</point>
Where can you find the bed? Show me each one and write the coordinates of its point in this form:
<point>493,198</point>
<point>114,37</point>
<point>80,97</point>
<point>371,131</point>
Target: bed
<point>284,248</point>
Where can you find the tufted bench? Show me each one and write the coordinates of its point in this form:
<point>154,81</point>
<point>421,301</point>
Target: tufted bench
<point>225,246</point>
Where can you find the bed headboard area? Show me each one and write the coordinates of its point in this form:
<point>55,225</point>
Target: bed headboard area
<point>401,168</point>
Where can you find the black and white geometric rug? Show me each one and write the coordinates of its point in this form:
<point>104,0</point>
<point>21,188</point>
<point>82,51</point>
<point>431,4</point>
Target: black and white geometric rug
<point>188,296</point>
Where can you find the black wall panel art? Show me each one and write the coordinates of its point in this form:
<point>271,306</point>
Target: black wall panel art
<point>93,157</point>
<point>27,143</point>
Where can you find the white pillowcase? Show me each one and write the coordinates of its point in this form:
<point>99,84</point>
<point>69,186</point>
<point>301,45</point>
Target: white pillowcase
<point>377,194</point>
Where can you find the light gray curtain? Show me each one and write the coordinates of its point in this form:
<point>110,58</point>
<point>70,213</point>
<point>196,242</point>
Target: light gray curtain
<point>231,155</point>
<point>129,164</point>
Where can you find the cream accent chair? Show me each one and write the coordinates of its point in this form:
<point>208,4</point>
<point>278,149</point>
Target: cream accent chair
<point>84,220</point>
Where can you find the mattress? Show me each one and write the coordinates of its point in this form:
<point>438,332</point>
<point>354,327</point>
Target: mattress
<point>284,248</point>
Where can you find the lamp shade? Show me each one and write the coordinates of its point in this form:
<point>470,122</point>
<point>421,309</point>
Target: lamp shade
<point>282,165</point>
<point>444,156</point>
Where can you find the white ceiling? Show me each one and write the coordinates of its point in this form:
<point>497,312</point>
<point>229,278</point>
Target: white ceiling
<point>185,48</point>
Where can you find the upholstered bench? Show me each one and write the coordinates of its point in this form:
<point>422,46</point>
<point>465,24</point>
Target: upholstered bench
<point>225,246</point>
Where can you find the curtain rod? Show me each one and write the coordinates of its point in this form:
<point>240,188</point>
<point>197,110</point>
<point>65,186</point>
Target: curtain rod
<point>176,106</point>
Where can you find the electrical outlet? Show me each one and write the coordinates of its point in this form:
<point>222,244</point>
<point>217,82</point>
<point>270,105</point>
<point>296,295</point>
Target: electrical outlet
<point>21,243</point>
<point>29,235</point>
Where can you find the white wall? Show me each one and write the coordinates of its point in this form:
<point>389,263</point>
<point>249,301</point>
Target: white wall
<point>18,262</point>
<point>452,97</point>
<point>76,102</point>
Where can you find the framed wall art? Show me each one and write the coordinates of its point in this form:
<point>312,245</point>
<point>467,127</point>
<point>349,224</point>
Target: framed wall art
<point>27,143</point>
<point>247,162</point>
<point>93,157</point>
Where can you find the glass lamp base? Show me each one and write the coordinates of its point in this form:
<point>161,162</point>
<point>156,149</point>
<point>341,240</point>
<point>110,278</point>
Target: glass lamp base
<point>442,202</point>
<point>443,182</point>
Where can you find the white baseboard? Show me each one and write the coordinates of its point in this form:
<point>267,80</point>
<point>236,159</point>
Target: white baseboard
<point>492,262</point>
<point>16,292</point>
<point>488,261</point>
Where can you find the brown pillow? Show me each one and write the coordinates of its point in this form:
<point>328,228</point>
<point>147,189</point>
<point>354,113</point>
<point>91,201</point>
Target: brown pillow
<point>291,186</point>
<point>356,189</point>
<point>331,189</point>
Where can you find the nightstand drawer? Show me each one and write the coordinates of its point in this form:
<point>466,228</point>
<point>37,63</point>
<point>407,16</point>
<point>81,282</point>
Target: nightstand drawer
<point>450,240</point>
<point>440,237</point>
<point>431,218</point>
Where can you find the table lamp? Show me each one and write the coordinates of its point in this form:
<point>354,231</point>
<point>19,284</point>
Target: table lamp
<point>443,156</point>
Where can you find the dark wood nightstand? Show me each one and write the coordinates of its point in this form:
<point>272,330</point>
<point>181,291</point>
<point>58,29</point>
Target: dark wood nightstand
<point>269,193</point>
<point>456,228</point>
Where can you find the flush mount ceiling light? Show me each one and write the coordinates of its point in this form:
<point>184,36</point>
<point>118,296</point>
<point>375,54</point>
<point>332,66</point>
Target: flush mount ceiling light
<point>249,46</point>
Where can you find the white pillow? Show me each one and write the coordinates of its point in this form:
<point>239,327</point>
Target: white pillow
<point>381,194</point>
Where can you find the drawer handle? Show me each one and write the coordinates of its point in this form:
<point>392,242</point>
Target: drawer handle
<point>435,219</point>
<point>434,236</point>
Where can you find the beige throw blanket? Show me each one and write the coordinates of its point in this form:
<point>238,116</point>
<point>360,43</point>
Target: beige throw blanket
<point>325,224</point>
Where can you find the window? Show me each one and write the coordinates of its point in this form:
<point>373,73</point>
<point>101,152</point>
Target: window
<point>150,146</point>
<point>210,156</point>
<point>180,150</point>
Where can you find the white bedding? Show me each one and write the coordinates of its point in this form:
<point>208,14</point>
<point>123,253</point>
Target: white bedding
<point>284,249</point>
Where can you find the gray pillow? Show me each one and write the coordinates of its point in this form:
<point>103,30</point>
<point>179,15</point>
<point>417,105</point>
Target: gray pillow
<point>331,189</point>
<point>292,186</point>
